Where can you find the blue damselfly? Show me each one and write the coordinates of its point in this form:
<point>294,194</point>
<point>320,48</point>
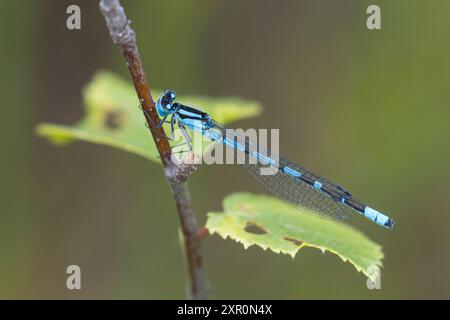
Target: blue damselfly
<point>291,182</point>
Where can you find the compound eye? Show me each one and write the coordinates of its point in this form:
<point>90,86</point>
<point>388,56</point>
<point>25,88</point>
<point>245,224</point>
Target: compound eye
<point>168,98</point>
<point>171,94</point>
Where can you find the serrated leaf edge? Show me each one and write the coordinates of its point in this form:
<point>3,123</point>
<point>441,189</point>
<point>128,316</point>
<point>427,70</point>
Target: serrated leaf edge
<point>293,252</point>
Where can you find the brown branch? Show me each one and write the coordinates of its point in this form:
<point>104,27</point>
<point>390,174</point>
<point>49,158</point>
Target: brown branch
<point>125,38</point>
<point>181,171</point>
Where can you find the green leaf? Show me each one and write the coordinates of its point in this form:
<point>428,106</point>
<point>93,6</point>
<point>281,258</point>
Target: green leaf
<point>271,223</point>
<point>113,118</point>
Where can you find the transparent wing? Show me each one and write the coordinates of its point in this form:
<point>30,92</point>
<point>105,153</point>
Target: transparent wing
<point>291,189</point>
<point>299,193</point>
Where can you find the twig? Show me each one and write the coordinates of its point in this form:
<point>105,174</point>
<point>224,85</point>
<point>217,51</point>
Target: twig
<point>125,38</point>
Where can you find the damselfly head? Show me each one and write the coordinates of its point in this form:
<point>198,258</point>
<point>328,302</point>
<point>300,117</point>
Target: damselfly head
<point>164,104</point>
<point>168,97</point>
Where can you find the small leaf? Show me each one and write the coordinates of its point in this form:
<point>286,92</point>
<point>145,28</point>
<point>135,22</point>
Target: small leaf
<point>113,118</point>
<point>271,223</point>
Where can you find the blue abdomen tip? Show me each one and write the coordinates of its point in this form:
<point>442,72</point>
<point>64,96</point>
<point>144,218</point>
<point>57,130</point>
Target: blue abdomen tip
<point>378,217</point>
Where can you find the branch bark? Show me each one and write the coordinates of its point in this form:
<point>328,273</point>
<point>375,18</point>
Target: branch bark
<point>176,175</point>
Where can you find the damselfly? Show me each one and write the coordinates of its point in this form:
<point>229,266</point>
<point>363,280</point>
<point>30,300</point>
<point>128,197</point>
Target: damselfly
<point>292,182</point>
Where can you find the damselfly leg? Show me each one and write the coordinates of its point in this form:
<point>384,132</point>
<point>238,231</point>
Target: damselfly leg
<point>157,126</point>
<point>186,136</point>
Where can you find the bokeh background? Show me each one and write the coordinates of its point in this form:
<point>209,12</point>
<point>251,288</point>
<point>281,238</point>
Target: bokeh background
<point>369,109</point>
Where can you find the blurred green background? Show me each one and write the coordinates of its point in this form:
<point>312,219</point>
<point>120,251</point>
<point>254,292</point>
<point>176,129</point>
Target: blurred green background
<point>369,109</point>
